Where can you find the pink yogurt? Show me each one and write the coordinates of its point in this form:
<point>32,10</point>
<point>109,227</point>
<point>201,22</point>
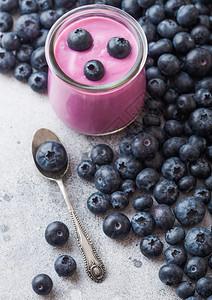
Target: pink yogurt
<point>107,105</point>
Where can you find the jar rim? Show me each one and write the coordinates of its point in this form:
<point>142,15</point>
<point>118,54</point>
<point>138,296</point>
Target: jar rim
<point>100,10</point>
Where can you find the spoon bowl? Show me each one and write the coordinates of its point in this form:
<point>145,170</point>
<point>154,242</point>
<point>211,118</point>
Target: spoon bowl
<point>94,266</point>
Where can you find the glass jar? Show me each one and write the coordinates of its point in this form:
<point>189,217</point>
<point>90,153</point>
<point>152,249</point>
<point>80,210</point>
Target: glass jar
<point>97,109</point>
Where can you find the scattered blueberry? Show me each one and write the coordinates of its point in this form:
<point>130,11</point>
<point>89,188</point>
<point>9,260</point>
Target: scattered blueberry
<point>127,166</point>
<point>172,146</point>
<point>175,255</point>
<point>10,41</point>
<point>183,42</point>
<point>202,194</point>
<point>203,98</point>
<point>173,128</point>
<point>143,202</point>
<point>56,233</point>
<point>160,47</point>
<point>166,192</point>
<point>28,7</point>
<point>65,265</point>
<point>134,128</point>
<point>204,287</point>
<point>185,289</point>
<point>98,203</point>
<point>7,61</point>
<point>168,28</point>
<point>27,26</point>
<point>173,168</point>
<point>186,103</point>
<point>128,186</point>
<point>170,274</point>
<point>198,62</point>
<point>187,184</point>
<point>119,200</point>
<point>125,144</point>
<point>200,169</point>
<point>175,235</point>
<point>107,179</point>
<point>102,154</point>
<point>164,216</point>
<point>208,183</point>
<point>156,87</point>
<point>22,72</point>
<point>189,153</point>
<point>195,267</point>
<point>143,223</point>
<point>116,225</point>
<point>187,15</point>
<point>51,157</point>
<point>10,6</point>
<point>79,40</point>
<point>42,284</point>
<point>6,22</point>
<point>145,145</point>
<point>151,246</point>
<point>155,14</point>
<point>147,179</point>
<point>23,54</point>
<point>86,169</point>
<point>38,81</point>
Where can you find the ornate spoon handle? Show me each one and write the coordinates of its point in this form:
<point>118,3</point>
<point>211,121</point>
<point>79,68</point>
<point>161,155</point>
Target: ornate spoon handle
<point>94,266</point>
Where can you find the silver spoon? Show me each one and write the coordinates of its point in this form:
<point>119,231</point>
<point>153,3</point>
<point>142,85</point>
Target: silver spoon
<point>94,266</point>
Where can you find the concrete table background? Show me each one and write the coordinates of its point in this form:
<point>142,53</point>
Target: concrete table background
<point>29,202</point>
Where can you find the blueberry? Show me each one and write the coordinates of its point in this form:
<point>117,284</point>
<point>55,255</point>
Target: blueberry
<point>143,223</point>
<point>202,194</point>
<point>203,98</point>
<point>107,179</point>
<point>118,47</point>
<point>127,166</point>
<point>7,61</point>
<point>189,211</point>
<point>40,40</point>
<point>80,40</point>
<point>205,83</point>
<point>185,289</point>
<point>98,203</point>
<point>86,169</point>
<point>135,128</point>
<point>201,34</point>
<point>204,287</point>
<point>146,3</point>
<point>170,96</point>
<point>200,169</point>
<point>38,59</point>
<point>209,153</point>
<point>151,246</point>
<point>155,14</point>
<point>154,106</point>
<point>160,47</point>
<point>186,103</point>
<point>168,28</point>
<point>6,22</point>
<point>147,179</point>
<point>10,6</point>
<point>163,216</point>
<point>145,145</point>
<point>195,267</point>
<point>128,186</point>
<point>170,274</point>
<point>187,15</point>
<point>119,200</point>
<point>102,154</point>
<point>23,54</point>
<point>38,81</point>
<point>154,72</point>
<point>28,26</point>
<point>183,42</point>
<point>64,3</point>
<point>202,8</point>
<point>158,133</point>
<point>198,241</point>
<point>198,142</point>
<point>198,62</point>
<point>193,298</point>
<point>28,7</point>
<point>116,225</point>
<point>173,168</point>
<point>175,235</point>
<point>150,31</point>
<point>171,112</point>
<point>187,184</point>
<point>51,156</point>
<point>171,7</point>
<point>187,129</point>
<point>210,261</point>
<point>94,70</point>
<point>172,146</point>
<point>22,72</point>
<point>65,265</point>
<point>175,255</point>
<point>151,119</point>
<point>156,162</point>
<point>143,202</point>
<point>189,153</point>
<point>56,233</point>
<point>42,284</point>
<point>48,18</point>
<point>125,144</point>
<point>166,192</point>
<point>60,11</point>
<point>204,20</point>
<point>156,87</point>
<point>132,7</point>
<point>182,83</point>
<point>173,128</point>
<point>208,183</point>
<point>45,4</point>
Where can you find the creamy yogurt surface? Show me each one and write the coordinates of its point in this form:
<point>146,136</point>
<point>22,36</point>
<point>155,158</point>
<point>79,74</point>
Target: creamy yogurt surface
<point>102,30</point>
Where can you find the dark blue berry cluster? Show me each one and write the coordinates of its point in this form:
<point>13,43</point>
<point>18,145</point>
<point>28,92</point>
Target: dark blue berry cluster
<point>56,234</point>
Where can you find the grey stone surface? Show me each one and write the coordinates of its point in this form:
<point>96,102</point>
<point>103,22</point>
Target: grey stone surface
<point>29,202</point>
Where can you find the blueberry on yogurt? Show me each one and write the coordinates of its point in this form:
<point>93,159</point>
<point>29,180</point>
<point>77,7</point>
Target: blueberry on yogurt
<point>118,47</point>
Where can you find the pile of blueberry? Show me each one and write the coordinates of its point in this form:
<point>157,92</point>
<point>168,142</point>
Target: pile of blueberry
<point>56,234</point>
